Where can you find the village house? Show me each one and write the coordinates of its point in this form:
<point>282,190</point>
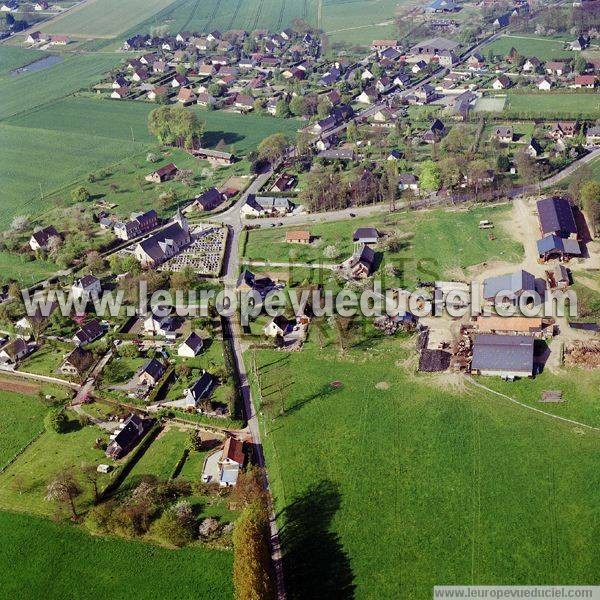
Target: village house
<point>120,93</point>
<point>278,326</point>
<point>297,237</point>
<point>88,333</point>
<point>435,132</point>
<point>534,149</point>
<point>208,200</point>
<point>585,81</point>
<point>127,436</point>
<point>137,225</point>
<point>544,84</point>
<point>26,325</point>
<point>592,135</point>
<point>366,235</point>
<point>563,129</point>
<point>232,460</point>
<point>88,286</point>
<point>200,390</point>
<point>408,181</point>
<point>361,264</point>
<point>531,65</point>
<point>163,174</point>
<point>160,325</point>
<point>260,206</point>
<point>284,183</point>
<point>507,356</point>
<point>502,82</point>
<point>76,362</point>
<point>191,347</point>
<point>247,282</point>
<point>381,45</point>
<point>504,134</point>
<point>15,351</point>
<point>151,373</point>
<point>557,67</point>
<point>41,239</point>
<point>186,96</point>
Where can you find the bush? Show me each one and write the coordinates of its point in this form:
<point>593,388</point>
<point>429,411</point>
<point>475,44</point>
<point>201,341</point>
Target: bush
<point>173,529</point>
<point>56,420</point>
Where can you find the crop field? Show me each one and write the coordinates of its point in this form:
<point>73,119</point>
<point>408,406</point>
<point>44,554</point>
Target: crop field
<point>161,458</point>
<point>543,48</point>
<point>554,105</point>
<point>105,18</point>
<point>31,167</point>
<point>68,563</point>
<point>21,418</point>
<point>353,21</point>
<point>490,104</point>
<point>28,90</point>
<point>436,244</point>
<point>23,484</point>
<point>402,478</point>
<point>13,58</point>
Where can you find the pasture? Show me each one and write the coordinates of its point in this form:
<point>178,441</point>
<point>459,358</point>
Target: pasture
<point>528,46</point>
<point>435,244</point>
<point>18,267</point>
<point>21,419</point>
<point>29,90</point>
<point>68,563</point>
<point>553,105</point>
<point>23,484</point>
<point>390,482</point>
<point>105,18</point>
<point>12,57</point>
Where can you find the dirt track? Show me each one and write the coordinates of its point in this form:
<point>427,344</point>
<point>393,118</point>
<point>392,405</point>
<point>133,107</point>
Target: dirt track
<point>19,386</point>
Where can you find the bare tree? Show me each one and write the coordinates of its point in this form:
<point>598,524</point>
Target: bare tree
<point>65,488</point>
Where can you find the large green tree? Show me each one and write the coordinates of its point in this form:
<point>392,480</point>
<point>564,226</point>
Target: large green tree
<point>590,202</point>
<point>175,125</point>
<point>430,177</point>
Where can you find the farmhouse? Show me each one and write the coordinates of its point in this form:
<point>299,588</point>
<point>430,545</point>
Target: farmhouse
<point>232,460</point>
<point>214,156</point>
<point>503,355</point>
<point>501,82</point>
<point>380,45</point>
<point>127,436</point>
<point>151,373</point>
<point>191,347</point>
<point>284,183</point>
<point>163,174</point>
<point>408,181</point>
<point>556,217</point>
<point>297,237</point>
<point>585,81</point>
<point>77,362</point>
<point>88,333</point>
<point>41,239</point>
<point>164,244</point>
<point>433,47</point>
<point>208,200</point>
<point>366,235</point>
<point>512,286</point>
<point>361,263</point>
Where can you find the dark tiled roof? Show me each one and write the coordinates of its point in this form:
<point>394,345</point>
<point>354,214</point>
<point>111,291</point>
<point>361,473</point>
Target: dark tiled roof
<point>503,353</point>
<point>154,368</point>
<point>556,215</point>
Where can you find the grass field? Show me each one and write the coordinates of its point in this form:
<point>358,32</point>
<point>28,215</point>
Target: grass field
<point>29,90</point>
<point>23,484</point>
<point>161,458</point>
<point>69,563</point>
<point>437,243</point>
<point>21,418</point>
<point>31,168</point>
<point>554,105</point>
<point>13,58</point>
<point>15,266</point>
<point>544,49</point>
<point>392,482</point>
<point>105,18</point>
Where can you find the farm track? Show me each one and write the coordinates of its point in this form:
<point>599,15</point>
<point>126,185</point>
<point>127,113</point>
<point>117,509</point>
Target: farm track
<point>192,15</point>
<point>235,14</point>
<point>258,14</point>
<point>305,9</point>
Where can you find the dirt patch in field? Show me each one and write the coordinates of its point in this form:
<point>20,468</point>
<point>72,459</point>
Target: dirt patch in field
<point>382,385</point>
<point>21,387</point>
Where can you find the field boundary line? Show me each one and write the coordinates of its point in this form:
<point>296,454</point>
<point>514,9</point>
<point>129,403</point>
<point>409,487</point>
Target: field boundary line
<point>19,452</point>
<point>533,408</point>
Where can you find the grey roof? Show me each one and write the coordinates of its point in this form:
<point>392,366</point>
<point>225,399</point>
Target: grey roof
<point>152,245</point>
<point>210,199</point>
<point>555,244</point>
<point>510,353</point>
<point>363,233</point>
<point>513,283</point>
<point>154,368</point>
<point>194,341</point>
<point>367,257</point>
<point>202,386</point>
<point>556,216</point>
<point>89,332</point>
<point>436,45</point>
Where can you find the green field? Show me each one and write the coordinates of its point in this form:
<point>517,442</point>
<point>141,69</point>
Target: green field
<point>392,482</point>
<point>544,49</point>
<point>26,91</point>
<point>41,559</point>
<point>436,243</point>
<point>12,57</point>
<point>161,458</point>
<point>21,418</point>
<point>23,484</point>
<point>30,167</point>
<point>105,18</point>
<point>553,105</point>
<point>16,266</point>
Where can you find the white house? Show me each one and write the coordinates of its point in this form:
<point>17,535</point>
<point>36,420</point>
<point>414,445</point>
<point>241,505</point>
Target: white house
<point>88,285</point>
<point>232,460</point>
<point>164,326</point>
<point>13,352</point>
<point>278,326</point>
<point>191,347</point>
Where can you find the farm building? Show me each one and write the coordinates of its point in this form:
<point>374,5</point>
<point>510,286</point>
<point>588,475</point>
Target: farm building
<point>556,218</point>
<point>553,246</point>
<point>514,285</point>
<point>366,235</point>
<point>297,237</point>
<point>513,325</point>
<point>503,355</point>
<point>163,174</point>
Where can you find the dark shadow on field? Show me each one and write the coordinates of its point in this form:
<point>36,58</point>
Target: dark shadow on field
<point>212,138</point>
<point>314,561</point>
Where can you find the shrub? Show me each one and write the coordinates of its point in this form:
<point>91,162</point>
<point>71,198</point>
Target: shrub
<point>56,420</point>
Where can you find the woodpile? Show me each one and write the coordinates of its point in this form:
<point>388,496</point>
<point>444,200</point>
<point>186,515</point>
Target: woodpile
<point>583,354</point>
